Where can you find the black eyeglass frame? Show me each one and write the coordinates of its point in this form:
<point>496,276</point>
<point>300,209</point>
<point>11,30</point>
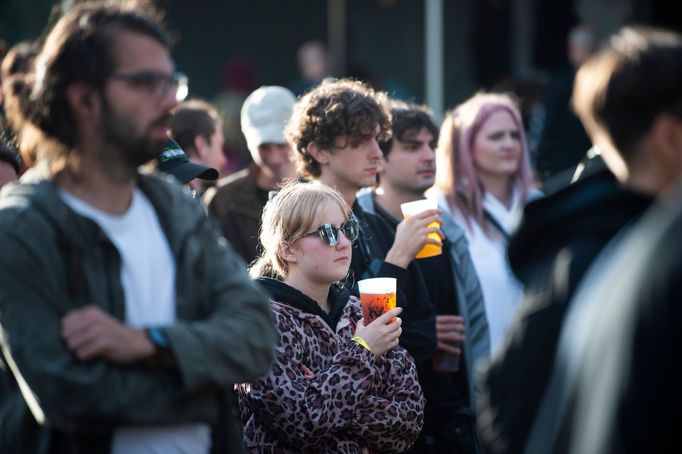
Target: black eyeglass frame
<point>329,233</point>
<point>157,83</point>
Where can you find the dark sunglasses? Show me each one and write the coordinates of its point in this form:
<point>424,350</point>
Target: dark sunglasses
<point>330,233</point>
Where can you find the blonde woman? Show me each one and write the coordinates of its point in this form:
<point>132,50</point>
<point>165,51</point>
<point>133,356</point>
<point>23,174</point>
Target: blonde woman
<point>336,385</point>
<point>483,179</point>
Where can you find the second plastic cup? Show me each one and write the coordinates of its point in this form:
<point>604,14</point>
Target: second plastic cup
<point>410,209</point>
<point>377,296</point>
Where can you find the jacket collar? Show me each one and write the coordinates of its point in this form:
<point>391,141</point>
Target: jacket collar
<point>37,188</point>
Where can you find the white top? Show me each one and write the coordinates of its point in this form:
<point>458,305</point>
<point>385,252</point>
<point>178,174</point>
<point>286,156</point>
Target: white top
<point>148,280</point>
<point>502,292</point>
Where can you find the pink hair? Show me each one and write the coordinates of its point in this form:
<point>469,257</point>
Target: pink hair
<point>456,175</point>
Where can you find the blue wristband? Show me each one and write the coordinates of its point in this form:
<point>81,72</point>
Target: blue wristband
<point>158,337</point>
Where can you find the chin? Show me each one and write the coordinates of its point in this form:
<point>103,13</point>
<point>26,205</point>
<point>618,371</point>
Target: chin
<point>368,182</point>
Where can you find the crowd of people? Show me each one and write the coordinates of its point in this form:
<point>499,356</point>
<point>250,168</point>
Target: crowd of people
<point>151,303</point>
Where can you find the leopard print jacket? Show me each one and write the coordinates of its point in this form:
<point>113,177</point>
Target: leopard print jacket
<point>326,393</point>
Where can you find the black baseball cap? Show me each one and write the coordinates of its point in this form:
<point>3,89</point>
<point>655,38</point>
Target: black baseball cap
<point>175,162</point>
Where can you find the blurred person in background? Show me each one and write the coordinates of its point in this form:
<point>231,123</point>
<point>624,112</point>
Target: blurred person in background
<point>557,240</point>
<point>197,129</point>
<point>18,60</point>
<point>9,164</point>
<point>313,63</point>
<point>408,170</point>
<point>615,387</point>
<point>337,385</point>
<point>563,140</point>
<point>238,79</point>
<point>483,178</point>
<point>126,317</point>
<point>238,199</point>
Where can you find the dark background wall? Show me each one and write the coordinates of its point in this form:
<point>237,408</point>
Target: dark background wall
<point>384,38</point>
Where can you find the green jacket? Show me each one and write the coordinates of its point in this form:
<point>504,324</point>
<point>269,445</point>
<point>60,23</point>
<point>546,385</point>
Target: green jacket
<point>53,260</point>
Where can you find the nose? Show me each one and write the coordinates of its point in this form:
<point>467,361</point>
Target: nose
<point>429,154</point>
<point>375,152</point>
<point>509,141</point>
<point>343,242</point>
<point>169,98</point>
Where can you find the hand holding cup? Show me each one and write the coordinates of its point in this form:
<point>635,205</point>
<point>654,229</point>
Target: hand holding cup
<point>382,335</point>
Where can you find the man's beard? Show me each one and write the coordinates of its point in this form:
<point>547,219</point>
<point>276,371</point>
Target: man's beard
<point>123,147</point>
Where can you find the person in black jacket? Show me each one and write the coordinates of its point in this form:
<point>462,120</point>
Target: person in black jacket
<point>334,130</point>
<point>454,289</point>
<point>557,240</point>
<point>614,387</point>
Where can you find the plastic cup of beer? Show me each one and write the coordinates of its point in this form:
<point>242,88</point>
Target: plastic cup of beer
<point>410,209</point>
<point>377,296</point>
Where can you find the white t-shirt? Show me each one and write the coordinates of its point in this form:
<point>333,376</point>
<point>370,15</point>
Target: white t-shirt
<point>148,280</point>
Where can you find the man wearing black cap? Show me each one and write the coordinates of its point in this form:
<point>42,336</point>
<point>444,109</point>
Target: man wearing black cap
<point>174,161</point>
<point>126,317</point>
<point>197,128</point>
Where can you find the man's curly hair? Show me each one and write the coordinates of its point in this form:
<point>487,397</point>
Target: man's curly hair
<point>337,108</point>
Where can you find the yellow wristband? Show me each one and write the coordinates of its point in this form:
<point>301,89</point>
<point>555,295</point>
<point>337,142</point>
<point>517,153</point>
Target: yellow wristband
<point>362,342</point>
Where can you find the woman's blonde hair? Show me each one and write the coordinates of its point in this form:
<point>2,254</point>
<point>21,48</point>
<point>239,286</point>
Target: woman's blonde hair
<point>288,216</point>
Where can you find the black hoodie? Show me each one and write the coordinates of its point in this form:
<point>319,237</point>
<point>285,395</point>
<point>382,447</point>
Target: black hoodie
<point>283,293</point>
<point>557,240</point>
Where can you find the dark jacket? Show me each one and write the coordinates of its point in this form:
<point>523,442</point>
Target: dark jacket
<point>54,260</point>
<point>419,316</point>
<point>235,202</point>
<point>469,296</point>
<point>326,393</point>
<point>615,387</point>
<point>557,240</point>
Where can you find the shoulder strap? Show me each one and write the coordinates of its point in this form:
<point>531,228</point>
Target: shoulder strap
<point>496,224</point>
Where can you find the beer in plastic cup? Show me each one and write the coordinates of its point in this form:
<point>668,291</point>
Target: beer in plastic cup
<point>377,296</point>
<point>410,209</point>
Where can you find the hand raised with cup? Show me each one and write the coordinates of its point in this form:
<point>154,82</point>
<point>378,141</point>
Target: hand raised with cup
<point>382,334</point>
<point>417,236</point>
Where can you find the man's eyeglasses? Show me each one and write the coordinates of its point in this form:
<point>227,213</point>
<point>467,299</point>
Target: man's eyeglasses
<point>158,84</point>
<point>330,233</point>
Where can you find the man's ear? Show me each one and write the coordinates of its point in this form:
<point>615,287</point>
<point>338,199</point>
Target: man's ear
<point>318,154</point>
<point>666,138</point>
<point>83,99</point>
<point>286,252</point>
<point>200,145</point>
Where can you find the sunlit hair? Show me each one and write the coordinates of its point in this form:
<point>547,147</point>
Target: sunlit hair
<point>288,216</point>
<point>456,174</point>
<point>337,108</point>
<point>635,77</point>
<point>407,117</point>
